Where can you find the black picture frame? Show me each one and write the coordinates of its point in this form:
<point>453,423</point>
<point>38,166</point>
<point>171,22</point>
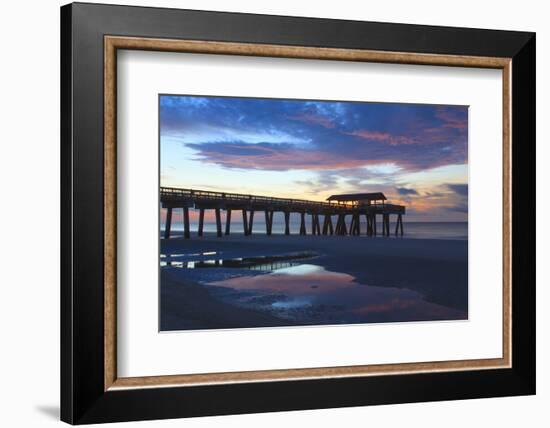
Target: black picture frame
<point>83,398</point>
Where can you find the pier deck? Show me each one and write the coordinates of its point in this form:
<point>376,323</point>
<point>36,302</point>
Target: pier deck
<point>368,204</point>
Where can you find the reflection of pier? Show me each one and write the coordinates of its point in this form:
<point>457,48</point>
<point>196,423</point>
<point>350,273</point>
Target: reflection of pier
<point>353,206</point>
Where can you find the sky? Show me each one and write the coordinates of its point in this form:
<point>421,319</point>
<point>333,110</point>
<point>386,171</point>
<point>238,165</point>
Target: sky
<point>416,154</point>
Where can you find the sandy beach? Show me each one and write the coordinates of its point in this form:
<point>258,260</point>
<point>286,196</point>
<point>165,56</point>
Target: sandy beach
<point>415,279</point>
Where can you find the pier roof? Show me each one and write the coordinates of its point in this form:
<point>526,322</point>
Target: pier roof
<point>377,196</point>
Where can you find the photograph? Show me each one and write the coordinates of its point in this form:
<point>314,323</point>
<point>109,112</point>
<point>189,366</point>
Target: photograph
<point>303,212</point>
<point>264,213</point>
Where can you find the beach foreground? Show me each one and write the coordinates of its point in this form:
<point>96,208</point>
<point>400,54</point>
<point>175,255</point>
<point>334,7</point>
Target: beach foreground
<point>268,281</point>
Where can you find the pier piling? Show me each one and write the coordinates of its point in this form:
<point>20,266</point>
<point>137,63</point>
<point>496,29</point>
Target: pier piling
<point>245,222</point>
<point>228,221</point>
<point>268,222</point>
<point>168,223</point>
<point>354,205</point>
<point>250,222</point>
<point>287,223</point>
<point>218,223</point>
<point>399,225</point>
<point>303,223</point>
<point>201,221</point>
<point>186,230</point>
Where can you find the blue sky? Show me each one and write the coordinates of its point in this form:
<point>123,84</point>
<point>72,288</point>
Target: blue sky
<point>415,154</point>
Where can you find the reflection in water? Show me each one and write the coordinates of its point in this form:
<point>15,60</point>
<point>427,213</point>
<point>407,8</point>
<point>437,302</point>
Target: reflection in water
<point>261,263</point>
<point>309,294</point>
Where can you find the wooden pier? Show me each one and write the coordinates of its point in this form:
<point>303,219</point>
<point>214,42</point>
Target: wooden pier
<point>341,207</point>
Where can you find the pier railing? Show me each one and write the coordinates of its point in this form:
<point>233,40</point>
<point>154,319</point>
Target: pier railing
<point>198,196</point>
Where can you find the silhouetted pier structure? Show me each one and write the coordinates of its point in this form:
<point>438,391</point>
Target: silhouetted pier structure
<point>354,206</point>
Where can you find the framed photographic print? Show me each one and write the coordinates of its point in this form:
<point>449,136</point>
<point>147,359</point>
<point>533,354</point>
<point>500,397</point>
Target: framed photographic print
<point>265,213</point>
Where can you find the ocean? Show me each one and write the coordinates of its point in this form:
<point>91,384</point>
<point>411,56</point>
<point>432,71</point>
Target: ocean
<point>412,230</point>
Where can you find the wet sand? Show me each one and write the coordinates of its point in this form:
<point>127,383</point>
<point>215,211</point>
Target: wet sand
<point>187,305</point>
<point>437,269</point>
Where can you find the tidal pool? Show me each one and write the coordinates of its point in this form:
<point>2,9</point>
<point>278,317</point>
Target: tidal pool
<point>309,294</point>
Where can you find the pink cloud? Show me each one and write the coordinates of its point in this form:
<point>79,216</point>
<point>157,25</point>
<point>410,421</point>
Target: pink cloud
<point>452,119</point>
<point>383,137</point>
<point>314,118</point>
<point>269,158</point>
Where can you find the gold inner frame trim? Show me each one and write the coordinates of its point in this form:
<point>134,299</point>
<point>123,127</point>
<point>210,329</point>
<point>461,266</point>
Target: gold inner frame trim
<point>113,43</point>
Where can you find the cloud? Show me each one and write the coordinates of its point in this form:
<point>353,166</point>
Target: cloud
<point>434,195</point>
<point>459,208</point>
<point>281,135</point>
<point>429,135</point>
<point>314,119</point>
<point>385,137</point>
<point>453,117</point>
<point>273,157</point>
<point>459,189</point>
<point>405,191</point>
